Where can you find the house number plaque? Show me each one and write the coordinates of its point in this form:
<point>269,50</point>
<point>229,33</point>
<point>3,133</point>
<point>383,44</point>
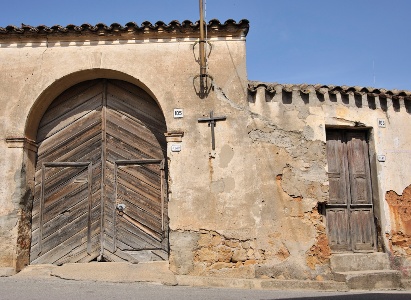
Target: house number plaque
<point>176,148</point>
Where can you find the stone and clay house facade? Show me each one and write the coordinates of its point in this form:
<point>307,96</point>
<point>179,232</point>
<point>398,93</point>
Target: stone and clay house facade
<point>108,153</point>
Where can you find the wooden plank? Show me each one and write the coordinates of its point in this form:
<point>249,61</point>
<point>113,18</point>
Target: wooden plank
<point>63,108</point>
<point>337,218</point>
<point>78,89</point>
<point>338,229</point>
<point>362,229</point>
<point>71,213</point>
<point>131,232</point>
<point>137,148</point>
<point>70,118</point>
<point>75,214</point>
<point>63,248</point>
<point>359,168</point>
<point>141,215</point>
<point>132,192</point>
<point>67,204</point>
<point>116,152</point>
<point>153,208</point>
<point>127,237</point>
<point>104,177</point>
<point>111,257</point>
<point>135,104</point>
<point>337,166</point>
<point>55,207</point>
<point>142,175</point>
<point>157,133</point>
<point>361,219</point>
<point>138,186</point>
<point>80,253</point>
<point>130,129</point>
<point>143,222</point>
<point>135,93</point>
<point>164,206</point>
<point>146,111</point>
<point>135,235</point>
<point>148,174</point>
<point>64,231</point>
<point>65,139</point>
<point>132,241</point>
<point>67,178</point>
<point>151,184</point>
<point>78,153</point>
<point>66,175</point>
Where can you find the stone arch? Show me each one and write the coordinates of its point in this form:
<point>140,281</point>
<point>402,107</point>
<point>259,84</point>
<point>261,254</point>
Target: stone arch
<point>36,113</point>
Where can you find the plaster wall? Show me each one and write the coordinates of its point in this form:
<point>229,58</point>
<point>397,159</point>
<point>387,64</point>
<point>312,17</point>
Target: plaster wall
<point>305,115</point>
<point>249,208</point>
<point>34,73</point>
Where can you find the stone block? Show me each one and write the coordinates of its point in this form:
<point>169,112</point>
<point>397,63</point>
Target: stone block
<point>370,280</point>
<point>239,255</point>
<point>182,245</point>
<point>346,262</point>
<point>206,255</point>
<point>224,254</point>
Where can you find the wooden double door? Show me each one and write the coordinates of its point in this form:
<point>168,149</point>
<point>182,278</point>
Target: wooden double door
<point>349,211</point>
<point>100,189</point>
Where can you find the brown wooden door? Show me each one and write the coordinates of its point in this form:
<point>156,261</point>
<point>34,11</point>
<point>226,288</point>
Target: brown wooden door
<point>349,211</point>
<point>100,143</point>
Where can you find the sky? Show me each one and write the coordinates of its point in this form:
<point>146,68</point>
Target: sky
<point>346,42</point>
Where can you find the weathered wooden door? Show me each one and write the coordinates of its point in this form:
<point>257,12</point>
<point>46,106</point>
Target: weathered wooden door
<point>100,188</point>
<point>349,211</point>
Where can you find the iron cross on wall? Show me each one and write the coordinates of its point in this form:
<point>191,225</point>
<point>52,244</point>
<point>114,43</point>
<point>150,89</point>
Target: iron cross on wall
<point>212,121</point>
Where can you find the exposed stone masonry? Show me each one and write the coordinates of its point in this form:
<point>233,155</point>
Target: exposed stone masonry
<point>216,252</point>
<point>400,235</point>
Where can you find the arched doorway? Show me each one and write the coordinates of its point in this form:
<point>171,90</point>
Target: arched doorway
<point>100,188</point>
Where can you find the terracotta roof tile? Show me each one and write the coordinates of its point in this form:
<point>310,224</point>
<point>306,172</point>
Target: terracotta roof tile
<point>160,29</point>
<point>332,89</point>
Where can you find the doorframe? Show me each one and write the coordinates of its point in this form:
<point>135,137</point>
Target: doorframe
<point>375,184</point>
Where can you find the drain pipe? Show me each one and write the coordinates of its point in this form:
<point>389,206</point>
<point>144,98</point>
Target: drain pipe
<point>203,68</point>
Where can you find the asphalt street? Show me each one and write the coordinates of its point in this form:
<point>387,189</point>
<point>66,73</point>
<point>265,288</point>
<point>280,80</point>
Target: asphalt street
<point>60,289</point>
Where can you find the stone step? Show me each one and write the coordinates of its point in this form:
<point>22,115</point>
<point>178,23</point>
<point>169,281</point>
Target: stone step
<point>6,272</point>
<point>371,279</point>
<point>406,284</point>
<point>346,262</point>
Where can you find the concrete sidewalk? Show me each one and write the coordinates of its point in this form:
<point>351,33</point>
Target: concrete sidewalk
<point>158,272</point>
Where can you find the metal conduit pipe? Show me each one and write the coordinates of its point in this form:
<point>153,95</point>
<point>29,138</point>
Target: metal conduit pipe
<point>203,68</point>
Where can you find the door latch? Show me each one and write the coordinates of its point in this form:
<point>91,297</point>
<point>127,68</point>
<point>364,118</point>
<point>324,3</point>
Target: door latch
<point>121,207</point>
